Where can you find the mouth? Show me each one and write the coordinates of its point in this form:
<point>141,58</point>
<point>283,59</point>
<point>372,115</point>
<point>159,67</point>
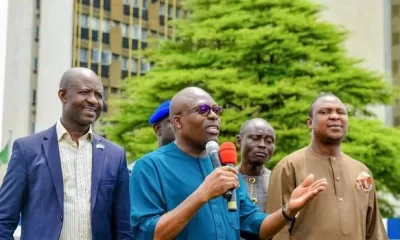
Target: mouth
<point>261,154</point>
<point>91,110</point>
<point>212,129</point>
<point>335,126</point>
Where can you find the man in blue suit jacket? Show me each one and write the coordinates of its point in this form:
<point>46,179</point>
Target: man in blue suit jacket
<point>67,182</point>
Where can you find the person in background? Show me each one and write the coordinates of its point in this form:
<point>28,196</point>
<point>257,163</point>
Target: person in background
<point>348,210</point>
<point>162,127</point>
<point>180,193</point>
<point>68,182</point>
<point>256,141</point>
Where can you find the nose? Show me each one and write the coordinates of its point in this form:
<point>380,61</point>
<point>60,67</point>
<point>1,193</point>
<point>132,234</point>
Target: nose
<point>212,115</point>
<point>262,144</point>
<point>92,98</point>
<point>334,115</point>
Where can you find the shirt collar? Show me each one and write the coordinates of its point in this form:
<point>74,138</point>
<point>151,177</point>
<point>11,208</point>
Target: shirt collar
<point>63,133</point>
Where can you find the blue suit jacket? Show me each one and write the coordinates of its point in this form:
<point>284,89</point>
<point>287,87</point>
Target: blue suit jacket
<point>33,187</point>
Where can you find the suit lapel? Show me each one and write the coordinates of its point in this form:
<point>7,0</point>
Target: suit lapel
<point>97,168</point>
<point>50,146</point>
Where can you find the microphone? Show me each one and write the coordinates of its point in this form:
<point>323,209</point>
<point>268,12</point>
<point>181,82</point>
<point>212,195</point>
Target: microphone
<point>228,156</point>
<point>212,149</point>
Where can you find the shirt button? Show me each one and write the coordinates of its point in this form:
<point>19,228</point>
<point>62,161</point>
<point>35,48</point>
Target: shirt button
<point>338,178</point>
<point>341,199</point>
<point>61,218</point>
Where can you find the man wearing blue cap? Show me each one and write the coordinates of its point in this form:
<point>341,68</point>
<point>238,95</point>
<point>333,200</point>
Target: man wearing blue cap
<point>161,124</point>
<point>162,127</point>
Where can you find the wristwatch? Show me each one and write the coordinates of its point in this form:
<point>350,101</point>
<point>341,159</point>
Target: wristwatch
<point>289,218</point>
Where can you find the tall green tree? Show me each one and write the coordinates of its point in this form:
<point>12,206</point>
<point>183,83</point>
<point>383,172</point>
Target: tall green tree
<point>269,59</point>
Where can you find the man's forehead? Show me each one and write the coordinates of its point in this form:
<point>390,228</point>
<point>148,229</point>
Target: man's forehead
<point>204,100</point>
<point>258,127</point>
<point>330,101</point>
<point>88,82</point>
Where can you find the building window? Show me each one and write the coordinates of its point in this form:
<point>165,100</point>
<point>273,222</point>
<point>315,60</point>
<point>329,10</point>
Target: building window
<point>106,57</point>
<point>37,4</point>
<point>114,90</point>
<point>170,12</point>
<point>124,63</point>
<point>95,55</point>
<point>136,4</point>
<point>114,56</point>
<point>35,65</point>
<point>135,31</point>
<point>127,2</point>
<point>395,38</point>
<point>395,67</point>
<point>107,5</point>
<point>34,97</point>
<point>396,121</point>
<point>162,9</point>
<point>32,127</point>
<point>95,23</point>
<point>37,33</point>
<point>105,94</point>
<point>83,55</point>
<point>145,66</point>
<point>106,26</point>
<point>134,65</point>
<point>124,28</point>
<point>144,35</point>
<point>395,10</point>
<point>84,21</point>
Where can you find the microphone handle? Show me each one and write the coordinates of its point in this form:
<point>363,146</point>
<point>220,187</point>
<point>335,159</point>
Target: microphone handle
<point>215,159</point>
<point>214,155</point>
<point>228,194</point>
<point>232,205</point>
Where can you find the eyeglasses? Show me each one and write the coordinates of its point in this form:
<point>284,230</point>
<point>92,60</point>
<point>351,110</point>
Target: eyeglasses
<point>204,109</point>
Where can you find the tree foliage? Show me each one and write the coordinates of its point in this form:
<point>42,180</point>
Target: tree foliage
<point>269,59</point>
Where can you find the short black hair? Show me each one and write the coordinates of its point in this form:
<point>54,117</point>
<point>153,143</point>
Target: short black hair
<point>321,95</point>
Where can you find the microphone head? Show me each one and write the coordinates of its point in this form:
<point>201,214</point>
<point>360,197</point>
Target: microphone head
<point>227,153</point>
<point>212,146</point>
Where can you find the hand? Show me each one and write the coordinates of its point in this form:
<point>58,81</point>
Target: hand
<point>218,182</point>
<point>304,193</point>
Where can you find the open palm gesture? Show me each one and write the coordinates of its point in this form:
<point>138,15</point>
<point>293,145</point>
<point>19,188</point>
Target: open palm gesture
<point>305,192</point>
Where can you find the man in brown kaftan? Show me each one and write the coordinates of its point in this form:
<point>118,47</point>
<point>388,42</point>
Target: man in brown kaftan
<point>348,209</point>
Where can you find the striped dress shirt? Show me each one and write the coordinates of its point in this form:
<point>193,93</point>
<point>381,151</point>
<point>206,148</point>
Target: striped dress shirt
<point>76,165</point>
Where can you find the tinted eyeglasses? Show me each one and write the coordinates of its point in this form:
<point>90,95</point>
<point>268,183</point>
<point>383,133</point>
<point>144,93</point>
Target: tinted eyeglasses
<point>204,109</point>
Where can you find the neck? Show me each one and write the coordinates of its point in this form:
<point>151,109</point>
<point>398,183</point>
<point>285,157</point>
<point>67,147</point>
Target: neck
<point>249,169</point>
<point>190,149</point>
<point>159,142</point>
<point>324,149</point>
<point>76,131</point>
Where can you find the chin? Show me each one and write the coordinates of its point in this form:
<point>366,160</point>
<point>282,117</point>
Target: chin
<point>258,162</point>
<point>334,139</point>
<point>87,121</point>
<point>212,138</point>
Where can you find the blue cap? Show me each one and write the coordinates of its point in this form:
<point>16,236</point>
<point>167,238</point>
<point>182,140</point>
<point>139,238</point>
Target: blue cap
<point>161,112</point>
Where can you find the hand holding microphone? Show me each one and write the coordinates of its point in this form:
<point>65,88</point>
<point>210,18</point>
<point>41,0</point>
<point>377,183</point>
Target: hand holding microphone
<point>219,181</point>
<point>224,155</point>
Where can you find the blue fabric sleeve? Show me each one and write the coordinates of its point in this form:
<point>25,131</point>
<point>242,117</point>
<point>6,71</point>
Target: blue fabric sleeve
<point>147,201</point>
